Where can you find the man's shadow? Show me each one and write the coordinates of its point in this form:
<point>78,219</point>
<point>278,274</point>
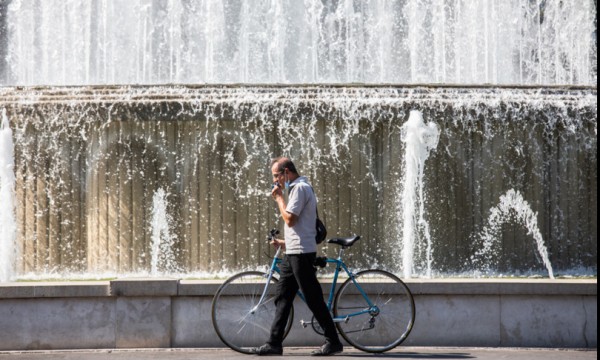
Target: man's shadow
<point>404,355</point>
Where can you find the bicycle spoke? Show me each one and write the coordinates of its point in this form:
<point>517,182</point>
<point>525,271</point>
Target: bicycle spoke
<point>383,326</point>
<point>237,319</point>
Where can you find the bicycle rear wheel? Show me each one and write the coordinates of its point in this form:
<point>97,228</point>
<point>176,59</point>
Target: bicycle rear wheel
<point>387,323</point>
<point>236,319</point>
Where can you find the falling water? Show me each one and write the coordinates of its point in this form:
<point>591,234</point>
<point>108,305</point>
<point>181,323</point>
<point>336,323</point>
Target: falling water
<point>420,139</point>
<point>73,42</point>
<point>162,238</point>
<point>8,248</point>
<point>511,206</point>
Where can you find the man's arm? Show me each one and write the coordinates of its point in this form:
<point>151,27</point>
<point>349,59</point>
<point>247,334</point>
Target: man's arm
<point>289,218</point>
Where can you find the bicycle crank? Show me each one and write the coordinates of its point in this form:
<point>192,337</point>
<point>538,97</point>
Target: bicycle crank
<point>315,325</point>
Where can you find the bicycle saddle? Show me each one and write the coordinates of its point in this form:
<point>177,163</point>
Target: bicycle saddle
<point>345,242</point>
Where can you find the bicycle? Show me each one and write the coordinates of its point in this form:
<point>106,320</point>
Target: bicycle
<point>373,310</point>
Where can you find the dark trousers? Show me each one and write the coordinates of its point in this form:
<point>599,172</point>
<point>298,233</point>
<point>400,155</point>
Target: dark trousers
<point>298,272</point>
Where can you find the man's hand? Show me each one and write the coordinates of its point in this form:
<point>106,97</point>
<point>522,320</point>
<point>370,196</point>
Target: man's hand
<point>289,218</point>
<point>276,192</point>
<point>278,243</point>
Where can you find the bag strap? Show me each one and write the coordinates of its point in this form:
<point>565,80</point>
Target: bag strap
<point>316,202</point>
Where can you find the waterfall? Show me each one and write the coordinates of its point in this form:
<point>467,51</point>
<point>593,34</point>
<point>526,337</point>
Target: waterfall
<point>8,246</point>
<point>73,42</point>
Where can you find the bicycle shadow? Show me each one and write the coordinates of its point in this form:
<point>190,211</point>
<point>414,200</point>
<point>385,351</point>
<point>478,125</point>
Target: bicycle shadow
<point>414,355</point>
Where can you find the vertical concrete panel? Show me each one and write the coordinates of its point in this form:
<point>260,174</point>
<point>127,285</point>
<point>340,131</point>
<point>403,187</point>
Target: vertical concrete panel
<point>203,174</point>
<point>41,215</point>
<point>260,215</point>
<point>143,322</point>
<point>140,256</point>
<point>150,184</point>
<point>191,319</point>
<point>458,320</point>
<point>59,207</point>
<point>114,153</point>
<point>387,243</point>
<point>92,201</point>
<point>23,210</point>
<point>242,188</point>
<point>75,323</point>
<point>345,181</point>
<point>355,211</point>
<point>228,178</point>
<point>189,200</point>
<point>125,177</point>
<point>215,195</point>
<point>590,325</point>
<point>371,194</point>
<point>546,321</point>
<point>102,262</point>
<point>77,201</point>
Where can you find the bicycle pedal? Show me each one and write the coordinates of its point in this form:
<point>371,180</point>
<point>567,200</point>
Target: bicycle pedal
<point>305,324</point>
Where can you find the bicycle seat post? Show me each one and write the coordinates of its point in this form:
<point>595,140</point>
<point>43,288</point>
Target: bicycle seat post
<point>341,253</point>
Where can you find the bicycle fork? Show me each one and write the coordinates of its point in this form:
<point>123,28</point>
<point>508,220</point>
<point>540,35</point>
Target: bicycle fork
<point>268,282</point>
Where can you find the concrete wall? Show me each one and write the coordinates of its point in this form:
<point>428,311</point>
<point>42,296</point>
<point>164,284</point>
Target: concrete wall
<point>176,313</point>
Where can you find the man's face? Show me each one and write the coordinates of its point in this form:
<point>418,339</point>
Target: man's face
<point>278,176</point>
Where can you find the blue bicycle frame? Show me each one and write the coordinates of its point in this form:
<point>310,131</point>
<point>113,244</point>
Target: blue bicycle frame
<point>339,265</point>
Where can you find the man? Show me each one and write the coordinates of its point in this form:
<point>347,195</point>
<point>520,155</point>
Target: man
<point>297,269</point>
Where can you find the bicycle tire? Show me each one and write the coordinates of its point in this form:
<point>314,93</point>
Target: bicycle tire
<point>232,320</point>
<point>375,332</point>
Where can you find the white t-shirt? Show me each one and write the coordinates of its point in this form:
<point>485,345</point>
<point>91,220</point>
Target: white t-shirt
<point>302,202</point>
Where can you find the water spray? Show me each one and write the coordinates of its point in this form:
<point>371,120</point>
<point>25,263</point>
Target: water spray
<point>420,139</point>
<point>8,250</point>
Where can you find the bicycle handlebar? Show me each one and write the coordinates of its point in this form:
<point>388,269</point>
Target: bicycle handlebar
<point>319,261</point>
<point>272,234</point>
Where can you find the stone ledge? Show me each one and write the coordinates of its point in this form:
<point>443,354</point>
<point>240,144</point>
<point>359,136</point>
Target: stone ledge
<point>198,287</point>
<point>503,287</point>
<point>233,93</point>
<point>144,287</point>
<point>54,289</point>
<point>174,287</point>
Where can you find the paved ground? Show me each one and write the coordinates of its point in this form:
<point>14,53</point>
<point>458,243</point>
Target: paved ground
<point>222,354</point>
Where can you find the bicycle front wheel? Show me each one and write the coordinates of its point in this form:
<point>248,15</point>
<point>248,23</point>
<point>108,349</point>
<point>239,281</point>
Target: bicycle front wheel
<point>385,322</point>
<point>239,321</point>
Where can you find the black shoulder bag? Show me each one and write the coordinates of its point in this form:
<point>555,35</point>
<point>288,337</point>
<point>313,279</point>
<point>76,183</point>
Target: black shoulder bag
<point>321,229</point>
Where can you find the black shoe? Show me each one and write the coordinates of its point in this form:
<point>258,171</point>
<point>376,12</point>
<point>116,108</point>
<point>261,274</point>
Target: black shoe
<point>328,349</point>
<point>267,349</point>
